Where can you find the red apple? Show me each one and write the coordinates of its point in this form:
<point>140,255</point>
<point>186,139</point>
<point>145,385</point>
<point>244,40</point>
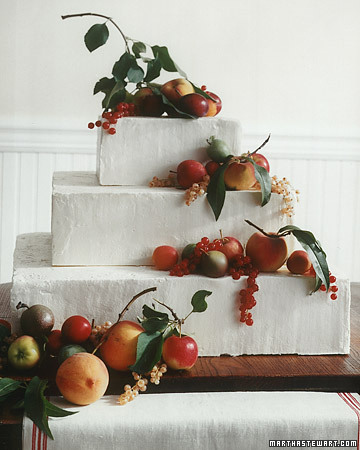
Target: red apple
<point>231,248</point>
<point>180,352</point>
<point>211,167</point>
<point>298,262</point>
<point>240,176</point>
<point>165,257</point>
<point>267,254</point>
<point>214,106</point>
<point>261,161</point>
<point>194,104</point>
<point>76,329</point>
<point>148,103</point>
<point>55,342</point>
<point>190,172</point>
<point>175,89</point>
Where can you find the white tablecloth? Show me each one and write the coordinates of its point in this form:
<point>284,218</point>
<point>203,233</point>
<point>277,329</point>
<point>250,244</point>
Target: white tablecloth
<point>222,421</point>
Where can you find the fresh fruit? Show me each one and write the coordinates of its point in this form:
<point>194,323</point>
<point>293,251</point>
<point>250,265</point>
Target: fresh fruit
<point>218,150</point>
<point>214,264</point>
<point>119,349</point>
<point>69,350</point>
<point>148,103</point>
<point>298,262</point>
<point>180,353</point>
<point>240,176</point>
<point>267,253</point>
<point>37,320</point>
<point>165,257</point>
<point>76,329</point>
<point>190,172</point>
<point>214,106</point>
<point>82,379</point>
<point>231,247</point>
<point>175,89</point>
<point>260,160</point>
<point>54,342</point>
<point>24,353</point>
<point>188,251</point>
<point>211,167</point>
<point>194,104</point>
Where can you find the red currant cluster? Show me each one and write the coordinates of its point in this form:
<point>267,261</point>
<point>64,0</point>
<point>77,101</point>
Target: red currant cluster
<point>189,265</point>
<point>111,117</point>
<point>333,288</point>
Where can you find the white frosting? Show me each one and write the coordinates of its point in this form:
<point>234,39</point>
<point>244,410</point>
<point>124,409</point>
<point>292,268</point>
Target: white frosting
<point>286,318</point>
<point>144,147</point>
<point>115,225</point>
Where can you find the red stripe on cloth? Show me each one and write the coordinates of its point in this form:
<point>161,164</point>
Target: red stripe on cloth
<point>40,434</point>
<point>44,447</point>
<point>355,409</point>
<point>33,437</point>
<point>354,400</point>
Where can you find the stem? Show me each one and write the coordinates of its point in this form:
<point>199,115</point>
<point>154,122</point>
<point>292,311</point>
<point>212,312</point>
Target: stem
<point>22,305</point>
<point>105,336</point>
<point>104,17</point>
<point>261,146</point>
<point>273,236</point>
<point>176,317</point>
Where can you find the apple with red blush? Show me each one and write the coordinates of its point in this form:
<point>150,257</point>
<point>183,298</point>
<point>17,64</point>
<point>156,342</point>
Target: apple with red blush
<point>190,172</point>
<point>214,103</point>
<point>180,352</point>
<point>194,104</point>
<point>231,247</point>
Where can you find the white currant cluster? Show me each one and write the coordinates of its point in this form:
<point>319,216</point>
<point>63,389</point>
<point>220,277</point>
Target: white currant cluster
<point>290,195</point>
<point>196,190</point>
<point>98,332</point>
<point>170,181</point>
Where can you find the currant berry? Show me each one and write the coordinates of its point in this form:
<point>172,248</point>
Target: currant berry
<point>334,288</point>
<point>91,125</point>
<point>98,123</point>
<point>205,240</point>
<point>323,288</point>
<point>333,296</point>
<point>332,279</point>
<point>106,125</point>
<point>112,131</point>
<point>203,87</point>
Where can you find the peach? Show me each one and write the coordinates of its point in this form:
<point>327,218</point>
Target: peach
<point>119,350</point>
<point>175,89</point>
<point>240,176</point>
<point>82,379</point>
<point>214,105</point>
<point>298,262</point>
<point>165,257</point>
<point>268,254</point>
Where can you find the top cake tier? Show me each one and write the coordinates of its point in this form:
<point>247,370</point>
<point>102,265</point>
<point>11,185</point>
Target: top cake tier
<point>144,147</point>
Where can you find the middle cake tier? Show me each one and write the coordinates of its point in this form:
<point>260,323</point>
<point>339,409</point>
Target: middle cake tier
<point>96,225</point>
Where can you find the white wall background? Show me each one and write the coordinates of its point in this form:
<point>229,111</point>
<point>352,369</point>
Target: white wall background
<point>290,67</point>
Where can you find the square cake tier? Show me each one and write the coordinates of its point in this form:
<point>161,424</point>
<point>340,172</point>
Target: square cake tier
<point>144,147</point>
<point>95,225</point>
<point>286,318</point>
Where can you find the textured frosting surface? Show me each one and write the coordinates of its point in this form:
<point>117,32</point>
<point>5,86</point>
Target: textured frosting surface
<point>122,225</point>
<point>144,147</point>
<point>286,318</point>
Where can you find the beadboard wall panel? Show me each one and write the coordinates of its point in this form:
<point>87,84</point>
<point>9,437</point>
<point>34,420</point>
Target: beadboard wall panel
<point>326,171</point>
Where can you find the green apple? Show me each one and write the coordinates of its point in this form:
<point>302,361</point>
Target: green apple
<point>24,353</point>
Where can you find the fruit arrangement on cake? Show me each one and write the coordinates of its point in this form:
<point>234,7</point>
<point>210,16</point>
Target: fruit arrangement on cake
<point>113,236</point>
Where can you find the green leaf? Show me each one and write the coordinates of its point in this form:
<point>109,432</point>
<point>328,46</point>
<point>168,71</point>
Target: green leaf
<point>263,177</point>
<point>153,324</point>
<point>216,190</point>
<point>135,74</point>
<point>153,69</point>
<point>7,386</point>
<point>18,405</point>
<point>198,301</point>
<point>121,67</point>
<point>149,312</point>
<point>54,411</point>
<point>166,61</point>
<point>96,36</point>
<point>116,95</point>
<point>201,92</point>
<point>138,47</point>
<point>316,254</point>
<point>148,352</point>
<point>34,404</point>
<point>156,90</point>
<point>104,85</point>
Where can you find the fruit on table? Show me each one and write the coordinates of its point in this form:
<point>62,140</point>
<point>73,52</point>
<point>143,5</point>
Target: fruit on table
<point>260,160</point>
<point>54,342</point>
<point>180,352</point>
<point>298,262</point>
<point>165,257</point>
<point>188,251</point>
<point>37,320</point>
<point>190,172</point>
<point>240,176</point>
<point>119,349</point>
<point>148,103</point>
<point>267,254</point>
<point>218,150</point>
<point>76,329</point>
<point>82,379</point>
<point>175,89</point>
<point>211,167</point>
<point>214,106</point>
<point>24,353</point>
<point>214,264</point>
<point>194,104</point>
<point>69,350</point>
<point>231,247</point>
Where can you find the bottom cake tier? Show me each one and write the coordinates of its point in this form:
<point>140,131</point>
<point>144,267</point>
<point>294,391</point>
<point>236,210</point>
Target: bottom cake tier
<point>286,318</point>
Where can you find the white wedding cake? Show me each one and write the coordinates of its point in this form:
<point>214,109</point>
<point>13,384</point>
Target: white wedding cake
<point>105,227</point>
